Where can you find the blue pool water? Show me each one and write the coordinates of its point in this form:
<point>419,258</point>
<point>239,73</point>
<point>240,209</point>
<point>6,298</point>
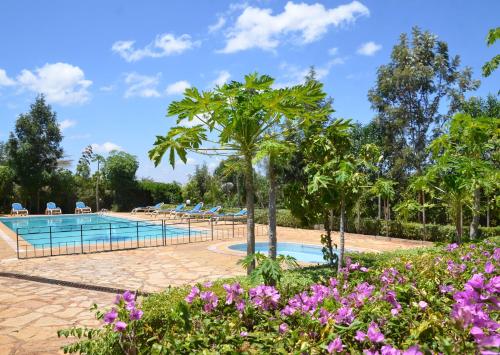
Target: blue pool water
<point>301,252</point>
<point>72,230</point>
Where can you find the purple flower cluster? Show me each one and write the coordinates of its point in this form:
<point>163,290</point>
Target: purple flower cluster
<point>127,301</point>
<point>234,294</point>
<point>473,306</point>
<point>264,297</point>
<point>210,300</point>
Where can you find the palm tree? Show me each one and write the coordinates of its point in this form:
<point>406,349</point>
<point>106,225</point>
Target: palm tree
<point>239,115</point>
<point>385,189</point>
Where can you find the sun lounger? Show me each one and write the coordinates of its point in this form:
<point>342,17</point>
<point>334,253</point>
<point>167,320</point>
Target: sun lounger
<point>18,209</point>
<point>202,214</point>
<point>82,208</point>
<point>179,208</point>
<point>238,216</point>
<point>195,209</point>
<point>52,208</point>
<point>148,208</point>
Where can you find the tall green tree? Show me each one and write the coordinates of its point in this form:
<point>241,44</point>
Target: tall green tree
<point>337,177</point>
<point>34,149</point>
<point>120,169</point>
<point>477,148</point>
<point>236,115</point>
<point>467,160</point>
<point>408,97</point>
<point>490,66</point>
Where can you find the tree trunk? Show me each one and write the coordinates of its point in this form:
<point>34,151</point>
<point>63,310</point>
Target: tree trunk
<point>458,223</point>
<point>424,221</point>
<point>342,234</point>
<point>476,207</point>
<point>250,211</point>
<point>386,215</point>
<point>379,207</point>
<point>488,215</point>
<point>358,217</point>
<point>272,211</point>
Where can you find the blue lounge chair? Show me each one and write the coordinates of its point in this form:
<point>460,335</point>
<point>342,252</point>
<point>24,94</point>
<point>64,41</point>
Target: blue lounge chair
<point>231,216</point>
<point>52,208</point>
<point>18,209</point>
<point>82,208</point>
<point>195,209</point>
<point>203,214</point>
<point>179,208</point>
<point>148,208</point>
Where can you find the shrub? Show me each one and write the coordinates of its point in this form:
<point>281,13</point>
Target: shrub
<point>433,300</point>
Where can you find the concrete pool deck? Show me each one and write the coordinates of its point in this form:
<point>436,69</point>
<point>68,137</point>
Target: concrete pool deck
<point>31,312</point>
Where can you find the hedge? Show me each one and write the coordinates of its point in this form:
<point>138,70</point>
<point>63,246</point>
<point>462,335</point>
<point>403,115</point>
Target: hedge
<point>369,226</point>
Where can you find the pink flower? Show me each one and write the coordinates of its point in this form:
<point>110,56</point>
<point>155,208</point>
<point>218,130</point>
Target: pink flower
<point>423,305</point>
<point>283,328</point>
<point>264,297</point>
<point>374,333</point>
<point>110,316</point>
<point>120,326</point>
<point>136,314</point>
<point>195,291</point>
<point>413,350</point>
<point>128,296</point>
<point>208,284</point>
<point>335,346</point>
<point>360,336</point>
<point>244,334</point>
<point>211,300</point>
<point>489,267</point>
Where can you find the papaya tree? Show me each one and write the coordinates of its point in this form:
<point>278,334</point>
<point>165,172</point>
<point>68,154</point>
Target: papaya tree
<point>232,120</point>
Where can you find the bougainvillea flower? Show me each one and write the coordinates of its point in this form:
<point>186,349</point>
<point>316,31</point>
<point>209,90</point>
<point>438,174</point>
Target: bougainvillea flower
<point>120,326</point>
<point>335,346</point>
<point>110,316</point>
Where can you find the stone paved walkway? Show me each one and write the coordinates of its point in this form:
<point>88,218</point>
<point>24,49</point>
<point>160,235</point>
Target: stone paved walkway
<point>31,312</point>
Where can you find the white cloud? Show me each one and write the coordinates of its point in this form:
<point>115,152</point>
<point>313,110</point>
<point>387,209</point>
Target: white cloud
<point>163,45</point>
<point>333,51</point>
<point>65,124</point>
<point>221,79</point>
<point>142,85</point>
<point>177,88</point>
<point>221,21</point>
<point>259,28</point>
<point>369,48</point>
<point>294,74</point>
<point>107,88</point>
<point>105,147</point>
<point>61,83</point>
<point>5,80</point>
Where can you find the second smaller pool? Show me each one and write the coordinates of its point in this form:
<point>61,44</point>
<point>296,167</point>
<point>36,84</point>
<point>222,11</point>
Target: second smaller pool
<point>301,252</point>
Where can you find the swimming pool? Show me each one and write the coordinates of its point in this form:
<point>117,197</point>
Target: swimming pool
<point>301,252</point>
<point>77,230</point>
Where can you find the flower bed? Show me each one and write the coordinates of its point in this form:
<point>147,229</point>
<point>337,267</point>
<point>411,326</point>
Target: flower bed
<point>435,300</point>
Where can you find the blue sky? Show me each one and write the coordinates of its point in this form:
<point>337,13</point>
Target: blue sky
<point>110,68</point>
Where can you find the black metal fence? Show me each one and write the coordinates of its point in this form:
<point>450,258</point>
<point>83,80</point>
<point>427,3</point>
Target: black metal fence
<point>48,241</point>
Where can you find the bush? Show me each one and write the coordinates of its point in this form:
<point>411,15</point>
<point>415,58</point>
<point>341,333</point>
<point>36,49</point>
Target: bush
<point>370,226</point>
<point>422,300</point>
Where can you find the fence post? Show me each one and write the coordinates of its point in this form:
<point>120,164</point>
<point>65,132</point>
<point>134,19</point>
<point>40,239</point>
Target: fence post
<point>50,238</point>
<point>233,227</point>
<point>163,236</point>
<point>137,232</point>
<point>17,241</point>
<point>212,227</point>
<point>110,239</point>
<point>81,237</point>
<point>189,228</point>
